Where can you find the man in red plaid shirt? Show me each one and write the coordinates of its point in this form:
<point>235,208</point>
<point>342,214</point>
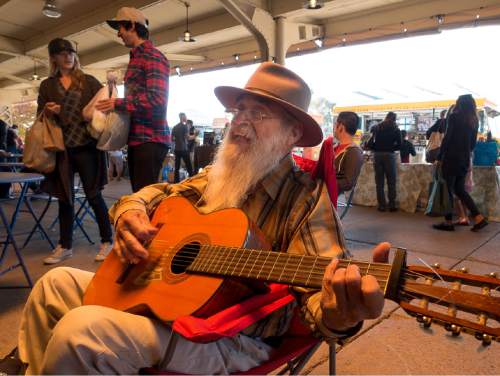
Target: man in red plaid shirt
<point>146,97</point>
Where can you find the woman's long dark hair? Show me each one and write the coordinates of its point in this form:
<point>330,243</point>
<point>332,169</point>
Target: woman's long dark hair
<point>389,121</point>
<point>466,107</point>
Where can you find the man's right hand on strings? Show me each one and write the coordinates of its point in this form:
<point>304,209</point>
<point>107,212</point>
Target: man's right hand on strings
<point>133,230</point>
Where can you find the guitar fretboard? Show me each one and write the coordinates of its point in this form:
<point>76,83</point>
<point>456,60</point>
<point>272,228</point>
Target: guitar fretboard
<point>297,270</point>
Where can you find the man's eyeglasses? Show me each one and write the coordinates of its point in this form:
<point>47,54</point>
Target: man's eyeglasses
<point>252,115</point>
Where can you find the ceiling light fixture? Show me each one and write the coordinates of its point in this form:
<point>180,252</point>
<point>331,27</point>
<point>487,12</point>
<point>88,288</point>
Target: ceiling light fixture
<point>404,29</point>
<point>51,10</point>
<point>178,70</point>
<point>187,35</point>
<point>319,42</point>
<point>34,76</point>
<point>440,18</point>
<point>236,57</point>
<point>313,4</point>
<point>344,38</point>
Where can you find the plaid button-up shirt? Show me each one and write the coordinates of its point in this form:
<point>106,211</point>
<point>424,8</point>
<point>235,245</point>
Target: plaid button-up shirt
<point>293,211</point>
<point>146,95</point>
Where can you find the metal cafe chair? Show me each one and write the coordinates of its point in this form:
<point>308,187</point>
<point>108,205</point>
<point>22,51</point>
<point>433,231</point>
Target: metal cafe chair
<point>343,206</point>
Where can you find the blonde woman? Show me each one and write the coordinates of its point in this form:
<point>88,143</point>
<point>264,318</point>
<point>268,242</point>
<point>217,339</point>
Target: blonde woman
<point>62,97</point>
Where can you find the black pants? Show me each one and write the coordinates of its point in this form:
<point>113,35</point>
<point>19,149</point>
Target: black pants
<point>385,167</point>
<point>456,185</point>
<point>184,155</point>
<point>144,163</point>
<point>84,161</point>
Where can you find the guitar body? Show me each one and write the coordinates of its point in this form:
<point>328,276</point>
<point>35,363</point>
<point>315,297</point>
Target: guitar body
<point>160,287</point>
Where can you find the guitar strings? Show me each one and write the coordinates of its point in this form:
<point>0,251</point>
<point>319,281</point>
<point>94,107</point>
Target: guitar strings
<point>190,253</point>
<point>407,274</point>
<point>311,279</point>
<point>196,250</point>
<point>195,254</point>
<point>191,256</point>
<point>269,270</point>
<point>313,276</point>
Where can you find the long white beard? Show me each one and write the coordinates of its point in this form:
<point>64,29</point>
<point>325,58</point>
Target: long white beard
<point>235,173</point>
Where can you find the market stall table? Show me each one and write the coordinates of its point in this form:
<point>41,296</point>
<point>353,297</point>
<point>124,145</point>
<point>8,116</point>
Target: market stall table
<point>413,180</point>
<point>23,179</point>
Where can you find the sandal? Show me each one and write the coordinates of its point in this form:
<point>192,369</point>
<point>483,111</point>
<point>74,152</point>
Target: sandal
<point>461,223</point>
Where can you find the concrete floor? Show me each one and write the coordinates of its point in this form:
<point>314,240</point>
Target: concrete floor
<point>393,344</point>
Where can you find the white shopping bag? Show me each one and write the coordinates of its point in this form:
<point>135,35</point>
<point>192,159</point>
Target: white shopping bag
<point>110,129</point>
<point>97,119</point>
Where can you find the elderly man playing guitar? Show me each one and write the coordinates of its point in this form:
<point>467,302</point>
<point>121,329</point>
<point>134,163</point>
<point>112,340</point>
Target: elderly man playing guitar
<point>63,330</point>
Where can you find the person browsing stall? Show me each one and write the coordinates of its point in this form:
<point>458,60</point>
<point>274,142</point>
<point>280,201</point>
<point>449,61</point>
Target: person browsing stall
<point>387,140</point>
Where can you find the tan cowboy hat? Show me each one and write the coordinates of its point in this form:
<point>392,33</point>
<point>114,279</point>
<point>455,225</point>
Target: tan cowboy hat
<point>282,86</point>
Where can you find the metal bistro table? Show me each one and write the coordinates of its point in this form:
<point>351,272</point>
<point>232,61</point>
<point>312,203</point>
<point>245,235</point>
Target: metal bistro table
<point>23,179</point>
<point>12,166</point>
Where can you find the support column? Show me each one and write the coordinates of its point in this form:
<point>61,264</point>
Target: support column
<point>281,40</point>
<point>274,35</point>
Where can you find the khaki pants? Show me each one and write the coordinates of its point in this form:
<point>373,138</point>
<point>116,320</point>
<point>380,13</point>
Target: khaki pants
<point>60,336</point>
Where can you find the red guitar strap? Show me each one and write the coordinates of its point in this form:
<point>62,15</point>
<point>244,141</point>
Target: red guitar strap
<point>233,320</point>
<point>323,169</point>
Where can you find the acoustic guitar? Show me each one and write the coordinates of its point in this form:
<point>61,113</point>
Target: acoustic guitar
<point>200,264</point>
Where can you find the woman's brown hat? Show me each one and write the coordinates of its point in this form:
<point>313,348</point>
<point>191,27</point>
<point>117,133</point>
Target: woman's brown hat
<point>282,86</point>
<point>59,45</point>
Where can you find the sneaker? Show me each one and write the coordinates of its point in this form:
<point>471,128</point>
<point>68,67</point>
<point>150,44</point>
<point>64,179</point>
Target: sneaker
<point>104,250</point>
<point>59,254</point>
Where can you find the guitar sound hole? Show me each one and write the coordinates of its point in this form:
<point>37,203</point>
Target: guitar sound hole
<point>185,257</point>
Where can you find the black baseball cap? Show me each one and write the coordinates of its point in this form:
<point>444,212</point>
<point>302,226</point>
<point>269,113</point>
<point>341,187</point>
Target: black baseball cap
<point>59,45</point>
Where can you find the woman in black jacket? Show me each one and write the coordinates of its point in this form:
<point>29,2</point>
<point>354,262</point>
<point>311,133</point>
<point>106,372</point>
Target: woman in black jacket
<point>454,158</point>
<point>62,97</point>
<point>386,140</point>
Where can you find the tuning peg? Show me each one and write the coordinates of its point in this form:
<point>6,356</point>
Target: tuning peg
<point>454,329</point>
<point>492,275</point>
<point>484,338</point>
<point>426,321</point>
<point>464,270</point>
<point>437,265</point>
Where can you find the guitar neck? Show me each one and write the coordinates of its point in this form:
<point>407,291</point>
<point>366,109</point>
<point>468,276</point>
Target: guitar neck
<point>296,270</point>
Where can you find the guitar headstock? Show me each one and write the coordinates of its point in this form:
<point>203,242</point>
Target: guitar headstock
<point>459,301</point>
